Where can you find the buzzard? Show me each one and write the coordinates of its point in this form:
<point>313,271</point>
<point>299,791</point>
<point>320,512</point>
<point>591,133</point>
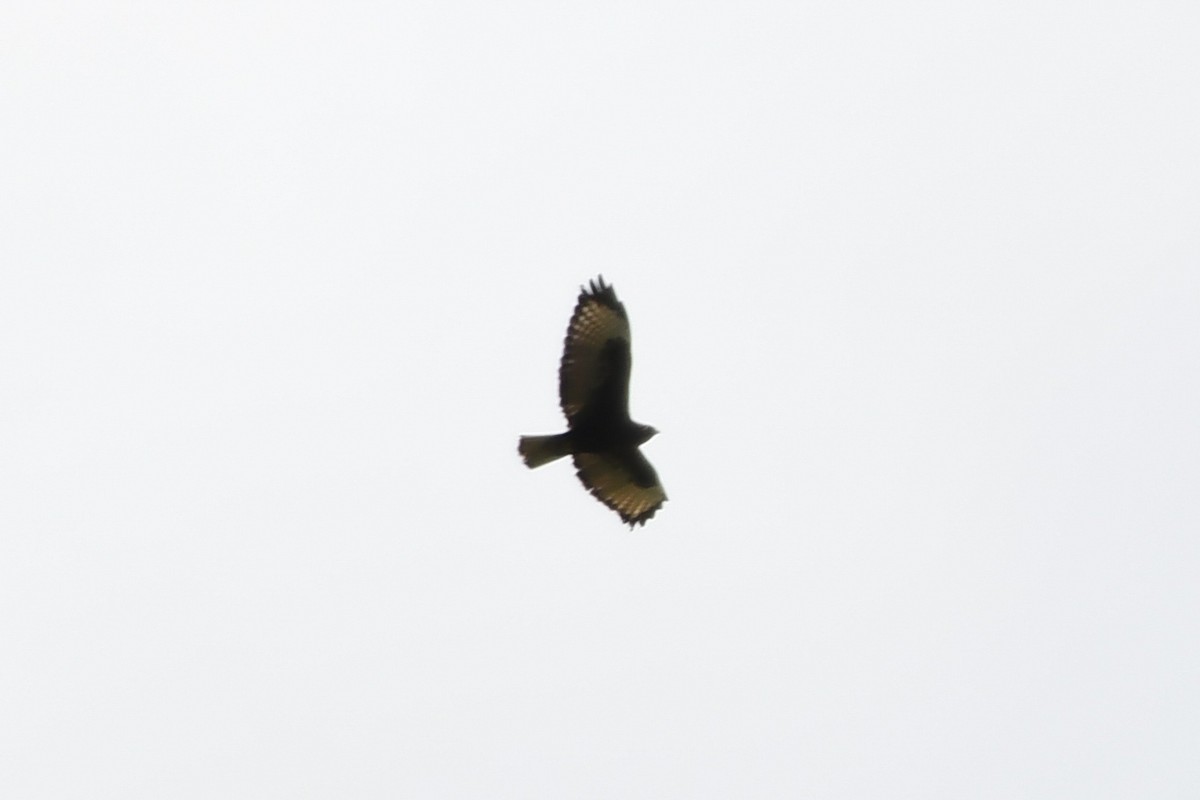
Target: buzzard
<point>593,388</point>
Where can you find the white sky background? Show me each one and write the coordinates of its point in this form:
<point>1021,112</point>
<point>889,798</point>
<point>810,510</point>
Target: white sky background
<point>915,296</point>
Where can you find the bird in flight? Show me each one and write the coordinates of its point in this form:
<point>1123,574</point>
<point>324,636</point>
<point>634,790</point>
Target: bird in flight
<point>593,389</point>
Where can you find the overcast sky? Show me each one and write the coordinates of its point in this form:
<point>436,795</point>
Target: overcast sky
<point>915,299</point>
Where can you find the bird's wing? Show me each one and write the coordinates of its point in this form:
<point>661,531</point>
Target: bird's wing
<point>624,481</point>
<point>596,360</point>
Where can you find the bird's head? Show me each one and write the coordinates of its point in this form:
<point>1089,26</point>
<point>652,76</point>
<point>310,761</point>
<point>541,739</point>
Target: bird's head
<point>646,433</point>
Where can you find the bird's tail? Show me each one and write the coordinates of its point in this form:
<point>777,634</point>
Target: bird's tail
<point>538,450</point>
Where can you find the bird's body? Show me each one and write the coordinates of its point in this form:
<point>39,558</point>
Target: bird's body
<point>594,392</point>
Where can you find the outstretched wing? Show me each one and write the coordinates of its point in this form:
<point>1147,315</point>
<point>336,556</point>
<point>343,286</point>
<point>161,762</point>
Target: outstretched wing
<point>624,481</point>
<point>594,375</point>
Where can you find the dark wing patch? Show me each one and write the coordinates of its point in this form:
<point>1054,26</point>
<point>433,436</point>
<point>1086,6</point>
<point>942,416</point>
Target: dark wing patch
<point>596,356</point>
<point>624,481</point>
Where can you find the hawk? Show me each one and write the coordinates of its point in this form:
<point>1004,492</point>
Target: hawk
<point>593,389</point>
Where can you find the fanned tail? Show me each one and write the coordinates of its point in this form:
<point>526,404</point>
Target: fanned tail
<point>539,450</point>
